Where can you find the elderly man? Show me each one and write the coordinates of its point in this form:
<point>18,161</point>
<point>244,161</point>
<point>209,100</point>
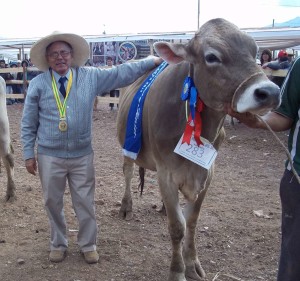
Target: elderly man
<point>58,117</point>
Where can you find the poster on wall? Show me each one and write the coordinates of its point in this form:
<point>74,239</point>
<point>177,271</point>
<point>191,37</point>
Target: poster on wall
<point>119,52</point>
<point>103,50</point>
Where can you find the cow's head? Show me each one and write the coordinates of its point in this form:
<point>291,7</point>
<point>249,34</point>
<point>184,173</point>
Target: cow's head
<point>223,63</point>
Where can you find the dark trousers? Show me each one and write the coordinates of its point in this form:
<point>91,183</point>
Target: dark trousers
<point>289,263</point>
<point>112,94</point>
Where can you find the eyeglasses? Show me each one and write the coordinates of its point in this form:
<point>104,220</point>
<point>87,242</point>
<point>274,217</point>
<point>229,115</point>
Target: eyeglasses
<point>55,55</point>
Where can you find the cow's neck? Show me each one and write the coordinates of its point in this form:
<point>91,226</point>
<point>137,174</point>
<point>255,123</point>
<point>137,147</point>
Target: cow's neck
<point>212,122</point>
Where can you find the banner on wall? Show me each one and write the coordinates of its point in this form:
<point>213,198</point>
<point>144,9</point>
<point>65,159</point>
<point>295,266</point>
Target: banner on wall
<point>119,52</point>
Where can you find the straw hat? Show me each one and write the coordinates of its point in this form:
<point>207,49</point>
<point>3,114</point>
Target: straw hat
<point>81,49</point>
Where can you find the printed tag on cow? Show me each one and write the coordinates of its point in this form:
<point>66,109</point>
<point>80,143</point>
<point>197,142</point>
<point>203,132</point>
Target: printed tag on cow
<point>203,155</point>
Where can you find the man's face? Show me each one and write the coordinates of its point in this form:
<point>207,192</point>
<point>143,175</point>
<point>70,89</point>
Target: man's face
<point>2,64</point>
<point>59,57</point>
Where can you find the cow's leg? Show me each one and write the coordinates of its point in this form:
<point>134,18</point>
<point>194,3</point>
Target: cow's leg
<point>194,270</point>
<point>8,161</point>
<point>176,225</point>
<point>126,206</point>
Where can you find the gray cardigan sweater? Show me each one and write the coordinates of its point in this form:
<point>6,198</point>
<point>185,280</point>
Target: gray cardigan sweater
<point>41,117</point>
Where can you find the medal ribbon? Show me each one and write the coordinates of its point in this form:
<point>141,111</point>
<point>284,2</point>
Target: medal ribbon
<point>61,106</point>
<point>194,123</point>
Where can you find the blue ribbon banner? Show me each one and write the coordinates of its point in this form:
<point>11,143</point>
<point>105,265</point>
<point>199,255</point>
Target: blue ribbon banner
<point>189,92</point>
<point>133,139</point>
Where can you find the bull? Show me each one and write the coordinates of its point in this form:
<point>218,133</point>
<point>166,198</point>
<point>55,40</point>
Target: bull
<point>6,149</point>
<point>220,59</point>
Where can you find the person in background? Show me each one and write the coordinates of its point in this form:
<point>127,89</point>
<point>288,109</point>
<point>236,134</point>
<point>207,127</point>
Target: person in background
<point>112,93</point>
<point>32,73</point>
<point>291,55</point>
<point>20,75</point>
<point>286,117</point>
<point>282,62</point>
<point>57,116</point>
<point>265,57</point>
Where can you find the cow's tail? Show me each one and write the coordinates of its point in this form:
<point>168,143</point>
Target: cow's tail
<point>142,172</point>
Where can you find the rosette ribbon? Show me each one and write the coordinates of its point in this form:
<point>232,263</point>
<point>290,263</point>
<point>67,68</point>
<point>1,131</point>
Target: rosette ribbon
<point>194,123</point>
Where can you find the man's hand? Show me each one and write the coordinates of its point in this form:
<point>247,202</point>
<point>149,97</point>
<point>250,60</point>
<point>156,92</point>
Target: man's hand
<point>275,121</point>
<point>31,166</point>
<point>247,118</point>
<point>157,60</point>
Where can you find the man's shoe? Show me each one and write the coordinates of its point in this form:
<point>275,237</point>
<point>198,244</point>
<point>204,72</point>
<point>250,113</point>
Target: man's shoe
<point>91,257</point>
<point>57,255</point>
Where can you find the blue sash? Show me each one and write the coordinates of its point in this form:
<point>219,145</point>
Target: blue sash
<point>133,139</point>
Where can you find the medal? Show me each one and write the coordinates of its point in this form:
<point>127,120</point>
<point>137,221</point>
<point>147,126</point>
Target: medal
<point>62,125</point>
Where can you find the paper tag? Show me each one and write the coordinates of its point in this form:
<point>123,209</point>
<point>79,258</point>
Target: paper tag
<point>203,155</point>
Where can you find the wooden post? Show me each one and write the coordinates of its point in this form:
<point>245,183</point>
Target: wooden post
<point>24,81</point>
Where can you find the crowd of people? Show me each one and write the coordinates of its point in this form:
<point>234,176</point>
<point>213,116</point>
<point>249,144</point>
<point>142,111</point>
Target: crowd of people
<point>16,75</point>
<point>283,60</point>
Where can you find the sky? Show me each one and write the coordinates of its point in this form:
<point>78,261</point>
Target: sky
<point>37,18</point>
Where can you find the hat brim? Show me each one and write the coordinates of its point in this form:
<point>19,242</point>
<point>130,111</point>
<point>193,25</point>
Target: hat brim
<point>81,49</point>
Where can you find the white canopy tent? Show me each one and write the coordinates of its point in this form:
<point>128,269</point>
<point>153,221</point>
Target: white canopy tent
<point>266,38</point>
<point>276,38</point>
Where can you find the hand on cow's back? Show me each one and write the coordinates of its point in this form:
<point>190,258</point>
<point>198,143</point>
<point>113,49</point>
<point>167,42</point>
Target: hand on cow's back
<point>157,60</point>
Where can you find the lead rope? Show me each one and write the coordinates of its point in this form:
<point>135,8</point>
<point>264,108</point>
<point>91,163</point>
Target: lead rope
<point>242,84</point>
<point>191,72</point>
<point>286,150</point>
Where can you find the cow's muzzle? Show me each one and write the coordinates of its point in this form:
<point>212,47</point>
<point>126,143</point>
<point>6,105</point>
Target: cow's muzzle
<point>256,94</point>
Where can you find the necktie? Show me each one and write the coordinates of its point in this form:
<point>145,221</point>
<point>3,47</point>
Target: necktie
<point>62,88</point>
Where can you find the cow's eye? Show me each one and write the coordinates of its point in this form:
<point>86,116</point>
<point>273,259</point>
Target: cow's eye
<point>211,58</point>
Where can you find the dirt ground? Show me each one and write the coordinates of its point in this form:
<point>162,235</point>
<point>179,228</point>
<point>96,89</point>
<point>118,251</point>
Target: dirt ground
<point>238,233</point>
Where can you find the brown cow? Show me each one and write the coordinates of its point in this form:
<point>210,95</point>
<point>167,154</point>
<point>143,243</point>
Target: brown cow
<point>221,61</point>
<point>6,150</point>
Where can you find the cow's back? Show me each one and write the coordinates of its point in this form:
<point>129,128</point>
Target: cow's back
<point>163,115</point>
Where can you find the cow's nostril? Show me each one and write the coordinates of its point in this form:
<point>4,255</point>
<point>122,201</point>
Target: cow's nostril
<point>265,93</point>
<point>261,94</point>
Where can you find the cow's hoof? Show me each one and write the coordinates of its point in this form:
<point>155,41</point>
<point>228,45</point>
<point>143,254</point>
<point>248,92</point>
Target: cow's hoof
<point>162,210</point>
<point>10,198</point>
<point>195,272</point>
<point>125,215</point>
<point>175,276</point>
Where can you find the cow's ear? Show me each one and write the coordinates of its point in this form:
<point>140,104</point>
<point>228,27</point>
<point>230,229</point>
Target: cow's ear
<point>171,53</point>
